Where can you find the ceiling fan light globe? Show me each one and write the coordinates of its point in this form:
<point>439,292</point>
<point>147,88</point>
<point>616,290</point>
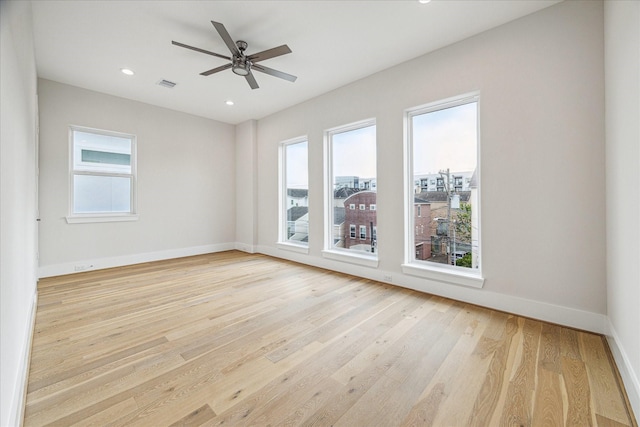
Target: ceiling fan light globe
<point>241,71</point>
<point>241,66</point>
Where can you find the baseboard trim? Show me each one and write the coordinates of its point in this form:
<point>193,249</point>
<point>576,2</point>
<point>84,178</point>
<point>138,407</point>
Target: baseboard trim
<point>245,247</point>
<point>561,315</point>
<point>20,393</point>
<point>119,261</point>
<point>629,376</point>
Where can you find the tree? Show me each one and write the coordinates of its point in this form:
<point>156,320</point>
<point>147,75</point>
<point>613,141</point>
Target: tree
<point>465,261</point>
<point>463,223</point>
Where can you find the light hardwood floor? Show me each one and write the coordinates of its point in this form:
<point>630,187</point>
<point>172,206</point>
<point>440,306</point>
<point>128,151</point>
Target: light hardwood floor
<point>237,339</point>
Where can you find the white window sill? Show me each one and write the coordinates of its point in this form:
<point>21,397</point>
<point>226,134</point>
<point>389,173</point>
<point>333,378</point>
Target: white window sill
<point>83,219</point>
<point>293,247</point>
<point>442,274</point>
<point>352,257</point>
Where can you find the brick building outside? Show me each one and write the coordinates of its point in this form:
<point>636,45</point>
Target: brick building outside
<point>360,224</point>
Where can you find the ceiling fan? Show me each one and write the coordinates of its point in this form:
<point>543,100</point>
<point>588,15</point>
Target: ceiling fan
<point>243,64</point>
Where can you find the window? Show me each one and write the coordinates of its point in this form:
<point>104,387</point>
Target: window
<point>352,231</point>
<point>372,207</point>
<point>350,153</point>
<point>294,193</point>
<point>443,230</point>
<point>103,176</point>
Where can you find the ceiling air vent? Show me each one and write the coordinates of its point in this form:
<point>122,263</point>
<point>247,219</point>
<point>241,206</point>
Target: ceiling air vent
<point>167,83</point>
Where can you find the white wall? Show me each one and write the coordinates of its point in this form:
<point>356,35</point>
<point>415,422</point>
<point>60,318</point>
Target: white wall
<point>541,81</point>
<point>186,170</point>
<point>18,209</point>
<point>246,185</point>
<point>622,71</point>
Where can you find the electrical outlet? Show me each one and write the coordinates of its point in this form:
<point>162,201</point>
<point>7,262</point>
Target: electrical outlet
<point>82,267</point>
<point>387,278</point>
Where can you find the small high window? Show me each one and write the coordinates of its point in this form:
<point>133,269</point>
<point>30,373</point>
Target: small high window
<point>103,176</point>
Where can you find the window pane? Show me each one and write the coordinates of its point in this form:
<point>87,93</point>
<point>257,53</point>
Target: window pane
<point>353,166</point>
<point>445,161</point>
<point>101,194</point>
<point>297,192</point>
<point>92,156</point>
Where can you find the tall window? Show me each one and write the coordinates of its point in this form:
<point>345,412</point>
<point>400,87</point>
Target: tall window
<point>351,173</point>
<point>442,222</point>
<point>294,192</point>
<point>103,173</point>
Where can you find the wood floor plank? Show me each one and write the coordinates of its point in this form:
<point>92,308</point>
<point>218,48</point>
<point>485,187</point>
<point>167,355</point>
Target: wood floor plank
<point>399,401</point>
<point>548,399</point>
<point>518,409</point>
<point>415,310</point>
<point>373,387</point>
<point>196,418</point>
<point>602,380</point>
<point>461,375</point>
<point>112,412</point>
<point>305,394</point>
<point>487,399</point>
<point>576,382</point>
<point>244,339</point>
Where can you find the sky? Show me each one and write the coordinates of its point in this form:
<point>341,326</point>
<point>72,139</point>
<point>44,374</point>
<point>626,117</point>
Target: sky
<point>297,164</point>
<point>354,153</point>
<point>441,139</point>
<point>446,139</point>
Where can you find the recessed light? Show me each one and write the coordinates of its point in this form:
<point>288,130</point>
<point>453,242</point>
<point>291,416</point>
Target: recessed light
<point>127,71</point>
<point>229,102</point>
<point>423,1</point>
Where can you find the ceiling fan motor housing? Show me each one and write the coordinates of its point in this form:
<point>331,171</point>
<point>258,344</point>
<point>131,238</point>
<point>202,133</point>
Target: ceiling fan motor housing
<point>242,45</point>
<point>241,65</point>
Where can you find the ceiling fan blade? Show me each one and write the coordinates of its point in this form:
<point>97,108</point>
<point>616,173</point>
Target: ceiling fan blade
<point>251,80</point>
<point>272,72</point>
<point>215,70</point>
<point>226,38</point>
<point>197,49</point>
<point>269,53</point>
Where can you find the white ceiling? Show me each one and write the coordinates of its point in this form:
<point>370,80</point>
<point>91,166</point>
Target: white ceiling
<point>86,43</point>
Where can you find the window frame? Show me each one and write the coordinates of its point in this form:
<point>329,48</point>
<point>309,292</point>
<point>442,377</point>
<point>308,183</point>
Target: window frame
<point>329,251</point>
<point>283,240</point>
<point>440,272</point>
<point>95,217</point>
